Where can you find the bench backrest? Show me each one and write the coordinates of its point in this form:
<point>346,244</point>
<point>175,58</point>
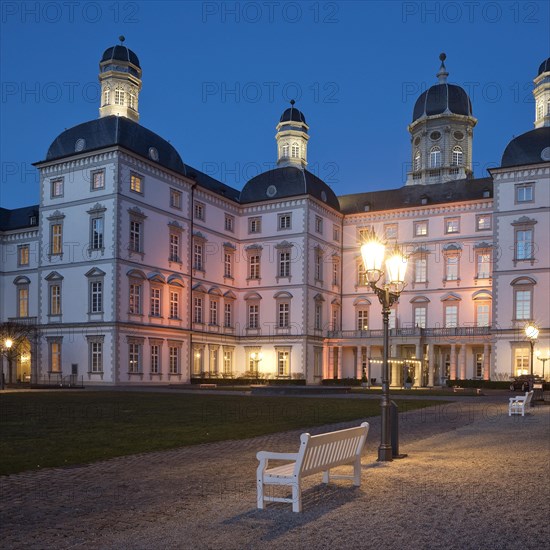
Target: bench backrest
<point>324,451</point>
<point>528,396</point>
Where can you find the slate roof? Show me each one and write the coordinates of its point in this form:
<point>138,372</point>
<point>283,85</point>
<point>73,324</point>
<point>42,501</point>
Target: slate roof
<point>412,195</point>
<point>544,67</point>
<point>442,99</point>
<point>18,218</point>
<point>120,53</point>
<point>530,148</point>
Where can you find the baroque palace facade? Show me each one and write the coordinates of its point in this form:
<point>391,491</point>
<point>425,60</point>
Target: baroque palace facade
<point>138,269</point>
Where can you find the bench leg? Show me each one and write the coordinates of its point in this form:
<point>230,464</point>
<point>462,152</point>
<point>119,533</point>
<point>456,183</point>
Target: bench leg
<point>326,476</point>
<point>296,497</point>
<point>357,472</point>
<point>260,497</point>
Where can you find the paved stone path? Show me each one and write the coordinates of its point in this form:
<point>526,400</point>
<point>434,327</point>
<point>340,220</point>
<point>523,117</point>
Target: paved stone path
<point>204,496</point>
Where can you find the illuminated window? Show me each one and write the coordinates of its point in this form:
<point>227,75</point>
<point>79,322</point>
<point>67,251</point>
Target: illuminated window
<point>421,228</point>
<point>23,255</point>
<point>362,319</point>
<point>174,304</point>
<point>119,96</point>
<point>56,242</point>
<point>451,316</point>
<point>57,187</point>
<point>136,183</point>
<point>98,180</point>
<point>452,225</point>
<point>175,198</point>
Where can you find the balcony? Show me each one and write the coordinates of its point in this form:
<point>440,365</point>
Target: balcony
<point>413,332</point>
<point>23,320</point>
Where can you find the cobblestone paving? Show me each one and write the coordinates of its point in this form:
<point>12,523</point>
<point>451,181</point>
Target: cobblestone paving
<point>204,493</point>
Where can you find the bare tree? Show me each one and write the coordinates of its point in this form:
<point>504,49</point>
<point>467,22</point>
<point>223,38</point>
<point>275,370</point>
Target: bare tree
<point>13,337</point>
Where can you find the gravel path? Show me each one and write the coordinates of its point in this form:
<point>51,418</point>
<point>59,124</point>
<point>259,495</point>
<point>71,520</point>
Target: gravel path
<point>474,479</point>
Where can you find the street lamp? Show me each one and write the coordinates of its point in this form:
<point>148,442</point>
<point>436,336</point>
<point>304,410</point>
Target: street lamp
<point>373,252</point>
<point>532,333</point>
<point>543,359</point>
<point>8,343</point>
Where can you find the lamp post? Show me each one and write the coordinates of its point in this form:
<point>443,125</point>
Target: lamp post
<point>8,343</point>
<point>543,359</point>
<point>532,333</point>
<point>373,253</point>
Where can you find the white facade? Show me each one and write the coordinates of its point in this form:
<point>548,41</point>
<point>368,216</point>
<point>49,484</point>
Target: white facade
<point>139,273</point>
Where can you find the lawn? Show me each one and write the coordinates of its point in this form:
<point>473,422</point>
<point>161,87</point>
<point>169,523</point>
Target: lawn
<point>47,429</point>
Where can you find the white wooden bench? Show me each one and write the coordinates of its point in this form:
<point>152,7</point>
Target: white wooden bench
<point>519,403</point>
<point>207,386</point>
<point>318,453</point>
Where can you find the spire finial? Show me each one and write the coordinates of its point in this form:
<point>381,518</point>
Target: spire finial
<point>292,102</point>
<point>122,39</point>
<point>442,74</point>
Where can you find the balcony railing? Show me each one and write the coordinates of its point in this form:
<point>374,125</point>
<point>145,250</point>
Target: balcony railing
<point>412,332</point>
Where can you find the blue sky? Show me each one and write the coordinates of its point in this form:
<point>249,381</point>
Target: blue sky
<point>217,76</point>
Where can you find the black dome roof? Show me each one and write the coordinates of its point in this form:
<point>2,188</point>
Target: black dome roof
<point>115,130</point>
<point>120,53</point>
<point>442,99</point>
<point>530,148</point>
<point>288,181</point>
<point>293,114</point>
<point>544,67</point>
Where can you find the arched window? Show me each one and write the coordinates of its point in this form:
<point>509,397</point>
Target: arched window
<point>132,99</point>
<point>435,157</point>
<point>107,96</point>
<point>119,96</point>
<point>284,150</point>
<point>417,161</point>
<point>295,151</point>
<point>457,156</point>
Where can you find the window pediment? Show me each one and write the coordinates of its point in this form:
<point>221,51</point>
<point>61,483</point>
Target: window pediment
<point>482,295</point>
<point>215,291</point>
<point>156,277</point>
<point>176,280</point>
<point>252,296</point>
<point>361,301</point>
<point>136,273</point>
<point>95,272</point>
<point>419,300</point>
<point>451,297</point>
<point>230,295</point>
<point>97,209</point>
<point>524,220</point>
<point>282,295</point>
<point>523,281</point>
<point>54,276</point>
<point>22,280</point>
<point>56,216</point>
<point>199,288</point>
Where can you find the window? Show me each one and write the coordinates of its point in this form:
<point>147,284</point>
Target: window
<point>55,300</point>
<point>135,244</point>
<point>361,274</point>
<point>213,312</point>
<point>364,234</point>
<point>106,96</point>
<point>136,183</point>
<point>96,296</point>
<point>483,265</point>
<point>174,359</point>
<point>435,157</point>
<point>335,233</point>
<point>132,99</point>
<point>451,316</point>
<point>174,255</point>
<point>175,199</point>
<point>362,319</point>
<point>483,310</point>
<point>417,165</point>
<point>283,320</point>
<point>318,319</point>
<point>197,310</point>
<point>254,225</point>
<point>155,301</point>
<point>55,356</point>
<point>254,266</point>
<point>318,224</point>
<point>174,304</point>
<point>229,223</point>
<point>96,356</point>
<point>119,96</point>
<point>319,265</point>
<point>23,255</point>
<point>392,321</point>
<point>98,180</point>
<point>335,317</point>
<point>420,316</point>
<point>521,361</point>
<point>295,151</point>
<point>284,151</point>
<point>155,359</point>
<point>317,361</point>
<point>199,210</point>
<point>56,239</point>
<point>457,157</point>
<point>284,221</point>
<point>254,316</point>
<point>451,268</point>
<point>335,272</point>
<point>524,244</point>
<point>421,228</point>
<point>283,363</point>
<point>57,187</point>
<point>478,364</point>
<point>134,357</point>
<point>135,299</point>
<point>23,301</point>
<point>390,231</point>
<point>483,222</point>
<point>524,192</point>
<point>198,256</point>
<point>97,233</point>
<point>228,264</point>
<point>228,315</point>
<point>452,225</point>
<point>420,270</point>
<point>227,360</point>
<point>284,264</point>
<point>523,299</point>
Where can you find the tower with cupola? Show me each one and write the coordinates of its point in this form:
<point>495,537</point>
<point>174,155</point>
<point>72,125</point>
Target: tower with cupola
<point>441,133</point>
<point>541,92</point>
<point>292,137</point>
<point>120,80</point>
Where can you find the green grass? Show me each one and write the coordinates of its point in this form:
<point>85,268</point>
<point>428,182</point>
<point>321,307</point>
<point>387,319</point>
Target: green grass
<point>47,429</point>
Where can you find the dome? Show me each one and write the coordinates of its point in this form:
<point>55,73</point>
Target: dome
<point>530,148</point>
<point>544,67</point>
<point>288,181</point>
<point>113,130</point>
<point>293,114</point>
<point>442,99</point>
<point>120,53</point>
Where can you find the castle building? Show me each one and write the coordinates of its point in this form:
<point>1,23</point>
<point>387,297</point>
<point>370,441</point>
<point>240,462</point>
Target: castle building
<point>136,268</point>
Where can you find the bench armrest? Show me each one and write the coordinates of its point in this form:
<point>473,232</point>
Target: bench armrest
<point>267,455</point>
